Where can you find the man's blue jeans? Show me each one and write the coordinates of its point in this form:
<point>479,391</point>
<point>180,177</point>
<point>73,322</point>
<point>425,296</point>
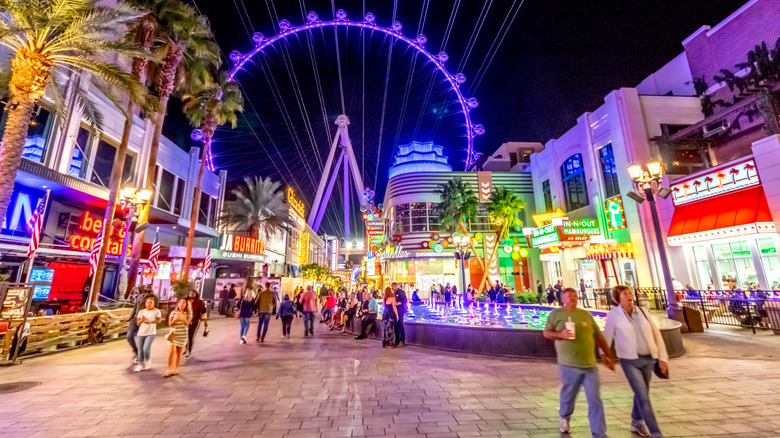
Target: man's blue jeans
<point>132,332</point>
<point>639,372</point>
<point>262,324</point>
<point>572,379</point>
<point>308,322</point>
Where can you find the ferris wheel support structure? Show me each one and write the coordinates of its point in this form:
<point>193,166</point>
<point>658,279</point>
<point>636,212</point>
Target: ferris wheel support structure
<point>347,161</point>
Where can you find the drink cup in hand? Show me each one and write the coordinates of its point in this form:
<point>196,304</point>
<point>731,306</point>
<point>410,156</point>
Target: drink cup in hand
<point>570,329</point>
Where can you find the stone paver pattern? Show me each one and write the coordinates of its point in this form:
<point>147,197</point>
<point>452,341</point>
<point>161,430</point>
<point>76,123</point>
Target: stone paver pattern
<point>331,385</point>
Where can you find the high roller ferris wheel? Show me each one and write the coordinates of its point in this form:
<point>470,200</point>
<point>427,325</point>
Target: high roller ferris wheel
<point>341,139</point>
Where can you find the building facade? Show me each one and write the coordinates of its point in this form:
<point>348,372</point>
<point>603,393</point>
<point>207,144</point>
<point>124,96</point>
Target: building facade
<point>716,139</point>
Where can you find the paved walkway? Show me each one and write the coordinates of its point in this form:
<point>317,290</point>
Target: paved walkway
<point>333,386</point>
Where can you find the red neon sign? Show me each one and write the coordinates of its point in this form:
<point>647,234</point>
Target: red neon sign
<point>248,244</point>
<point>88,224</point>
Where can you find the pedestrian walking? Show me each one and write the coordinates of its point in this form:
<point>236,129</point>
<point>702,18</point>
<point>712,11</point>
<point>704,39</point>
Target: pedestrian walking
<point>559,292</point>
<point>389,318</point>
<point>540,292</point>
<point>245,307</point>
<point>199,313</point>
<point>266,306</point>
<point>179,322</point>
<point>224,302</point>
<point>584,292</point>
<point>576,336</point>
<point>309,308</point>
<point>146,320</point>
<point>287,313</point>
<point>368,311</point>
<point>139,302</point>
<point>550,295</point>
<point>400,330</point>
<point>640,347</point>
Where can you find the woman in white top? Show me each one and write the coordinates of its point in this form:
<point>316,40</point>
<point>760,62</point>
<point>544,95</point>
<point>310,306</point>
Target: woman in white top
<point>147,320</point>
<point>639,344</point>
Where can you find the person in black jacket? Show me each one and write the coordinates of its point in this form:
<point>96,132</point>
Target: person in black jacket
<point>539,292</point>
<point>400,299</point>
<point>287,313</point>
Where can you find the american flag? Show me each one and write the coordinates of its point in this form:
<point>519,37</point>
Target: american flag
<point>154,254</point>
<point>93,256</point>
<point>35,226</point>
<point>207,261</point>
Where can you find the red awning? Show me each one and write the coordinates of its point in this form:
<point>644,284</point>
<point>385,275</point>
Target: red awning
<point>739,213</point>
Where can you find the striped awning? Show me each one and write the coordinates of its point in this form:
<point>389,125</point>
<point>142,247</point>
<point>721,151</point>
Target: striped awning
<point>609,251</point>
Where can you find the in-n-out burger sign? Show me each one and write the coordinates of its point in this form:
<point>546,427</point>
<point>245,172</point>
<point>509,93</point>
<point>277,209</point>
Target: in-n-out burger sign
<point>92,225</point>
<point>246,244</point>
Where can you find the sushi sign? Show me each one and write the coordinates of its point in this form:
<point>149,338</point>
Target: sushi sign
<point>716,182</point>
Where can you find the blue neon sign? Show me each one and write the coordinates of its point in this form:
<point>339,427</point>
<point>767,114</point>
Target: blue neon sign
<point>39,274</point>
<point>24,201</point>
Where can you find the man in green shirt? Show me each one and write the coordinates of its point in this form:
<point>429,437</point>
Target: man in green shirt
<point>266,306</point>
<point>575,347</point>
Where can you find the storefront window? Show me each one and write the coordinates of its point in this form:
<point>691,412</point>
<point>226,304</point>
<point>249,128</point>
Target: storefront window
<point>609,171</point>
<point>80,151</point>
<point>104,162</point>
<point>547,195</point>
<point>735,265</point>
<point>37,135</point>
<point>402,224</point>
<point>702,266</point>
<point>770,261</point>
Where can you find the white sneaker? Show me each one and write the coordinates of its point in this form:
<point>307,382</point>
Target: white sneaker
<point>639,428</point>
<point>138,368</point>
<point>135,360</point>
<point>565,428</point>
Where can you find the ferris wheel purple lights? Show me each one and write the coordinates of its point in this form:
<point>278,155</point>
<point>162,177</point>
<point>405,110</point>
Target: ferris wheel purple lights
<point>369,23</point>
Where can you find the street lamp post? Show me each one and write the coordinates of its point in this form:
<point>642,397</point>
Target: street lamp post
<point>648,186</point>
<point>462,254</point>
<point>133,202</point>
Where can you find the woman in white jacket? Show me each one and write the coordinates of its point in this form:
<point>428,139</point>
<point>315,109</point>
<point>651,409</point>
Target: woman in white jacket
<point>638,344</point>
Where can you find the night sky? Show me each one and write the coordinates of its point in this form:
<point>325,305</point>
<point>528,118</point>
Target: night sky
<point>556,61</point>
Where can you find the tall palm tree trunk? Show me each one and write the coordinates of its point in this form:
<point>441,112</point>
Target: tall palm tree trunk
<point>113,194</point>
<point>165,83</point>
<point>195,209</point>
<point>31,70</point>
<point>11,148</point>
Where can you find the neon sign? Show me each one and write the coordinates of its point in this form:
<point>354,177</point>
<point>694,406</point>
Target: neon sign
<point>294,202</point>
<point>89,224</point>
<point>616,219</point>
<point>545,218</point>
<point>248,244</point>
<point>544,235</point>
<point>20,210</point>
<point>582,227</point>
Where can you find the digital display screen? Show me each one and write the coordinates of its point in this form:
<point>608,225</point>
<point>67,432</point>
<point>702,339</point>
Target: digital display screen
<point>41,292</point>
<point>38,274</point>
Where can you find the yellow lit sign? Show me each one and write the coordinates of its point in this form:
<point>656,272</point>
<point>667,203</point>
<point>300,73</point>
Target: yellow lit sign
<point>303,255</point>
<point>295,203</point>
<point>544,218</point>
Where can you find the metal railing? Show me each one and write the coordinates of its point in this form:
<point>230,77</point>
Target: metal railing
<point>749,309</point>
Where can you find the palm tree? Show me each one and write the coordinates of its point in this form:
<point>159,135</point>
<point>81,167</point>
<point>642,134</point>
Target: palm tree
<point>259,207</point>
<point>458,206</point>
<point>215,105</point>
<point>49,40</point>
<point>142,35</point>
<point>186,45</point>
<point>503,207</point>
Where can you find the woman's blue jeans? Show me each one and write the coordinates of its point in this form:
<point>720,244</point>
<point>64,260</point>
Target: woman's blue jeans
<point>144,344</point>
<point>639,372</point>
<point>244,326</point>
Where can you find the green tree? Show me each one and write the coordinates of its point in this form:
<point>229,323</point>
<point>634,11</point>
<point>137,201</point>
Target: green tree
<point>259,206</point>
<point>316,272</point>
<point>185,43</point>
<point>214,105</point>
<point>457,208</point>
<point>502,209</point>
<point>48,41</point>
